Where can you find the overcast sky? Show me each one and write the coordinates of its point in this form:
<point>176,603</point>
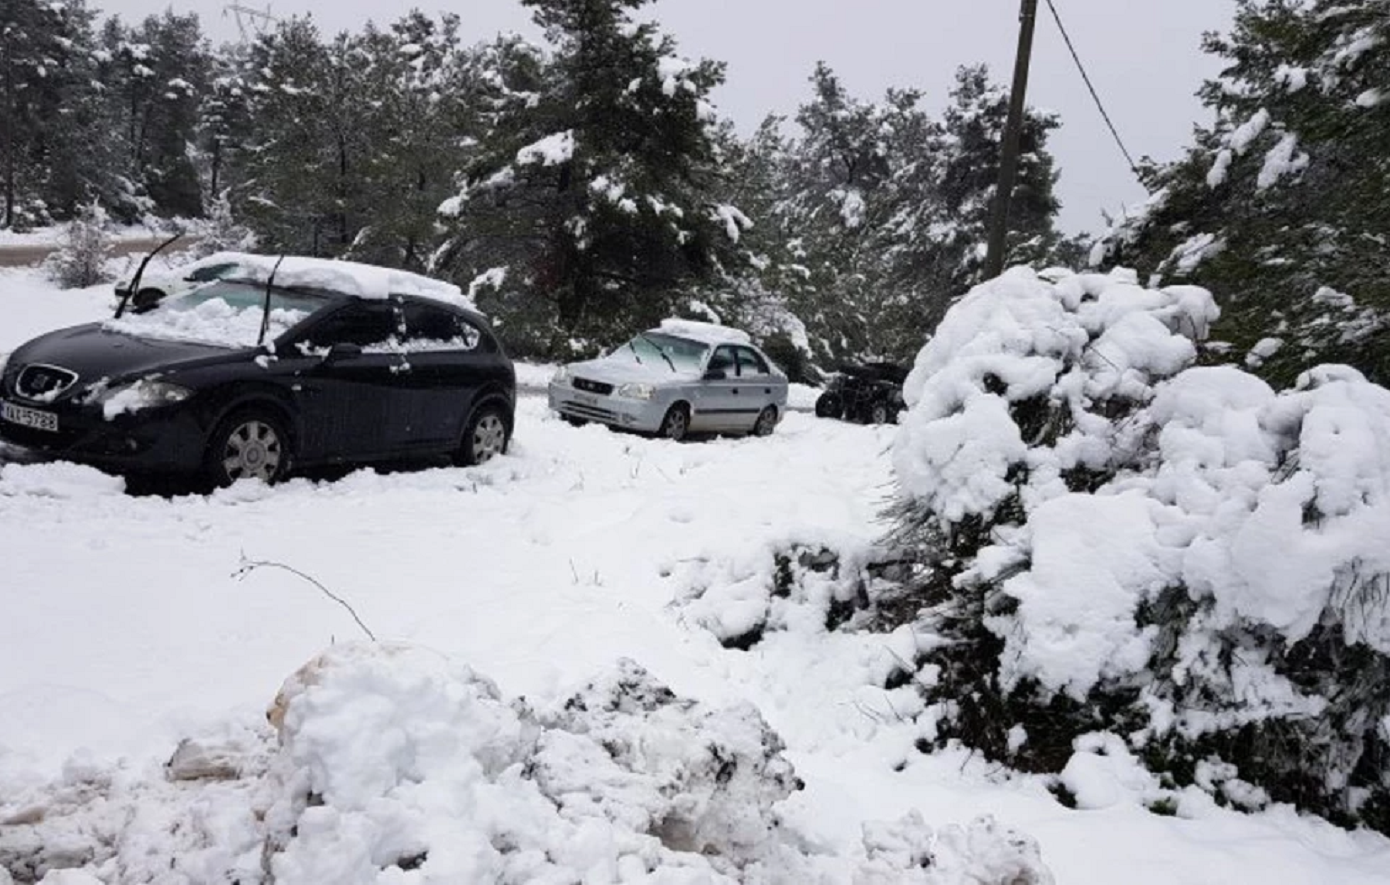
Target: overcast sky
<point>1143,57</point>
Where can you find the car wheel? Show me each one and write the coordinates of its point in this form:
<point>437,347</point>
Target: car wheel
<point>573,421</point>
<point>829,405</point>
<point>676,424</point>
<point>486,437</point>
<point>879,414</point>
<point>250,444</point>
<point>766,423</point>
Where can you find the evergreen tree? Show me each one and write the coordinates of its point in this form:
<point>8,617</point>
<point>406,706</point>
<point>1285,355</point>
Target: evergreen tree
<point>153,76</point>
<point>416,89</point>
<point>49,147</point>
<point>881,211</point>
<point>1278,206</point>
<point>594,194</point>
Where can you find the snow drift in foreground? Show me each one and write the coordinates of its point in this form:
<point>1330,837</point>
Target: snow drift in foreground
<point>1205,553</point>
<point>393,764</point>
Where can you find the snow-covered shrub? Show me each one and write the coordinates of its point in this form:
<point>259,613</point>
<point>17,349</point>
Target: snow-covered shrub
<point>81,260</point>
<point>1110,539</point>
<point>798,585</point>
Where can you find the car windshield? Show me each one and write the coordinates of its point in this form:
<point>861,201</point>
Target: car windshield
<point>225,314</point>
<point>660,349</point>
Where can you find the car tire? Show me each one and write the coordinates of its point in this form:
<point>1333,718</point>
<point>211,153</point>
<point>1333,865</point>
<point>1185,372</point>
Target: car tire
<point>573,421</point>
<point>675,425</point>
<point>248,444</point>
<point>487,435</point>
<point>829,405</point>
<point>879,413</point>
<point>766,423</point>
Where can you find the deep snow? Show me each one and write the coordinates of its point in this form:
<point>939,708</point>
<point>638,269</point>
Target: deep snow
<point>125,630</point>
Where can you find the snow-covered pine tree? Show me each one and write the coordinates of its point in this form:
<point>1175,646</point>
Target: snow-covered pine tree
<point>1279,205</point>
<point>879,212</point>
<point>592,196</point>
<point>50,135</point>
<point>415,84</point>
<point>301,164</point>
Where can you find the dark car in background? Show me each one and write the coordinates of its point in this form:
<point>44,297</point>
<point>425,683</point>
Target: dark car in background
<point>870,394</point>
<point>335,363</point>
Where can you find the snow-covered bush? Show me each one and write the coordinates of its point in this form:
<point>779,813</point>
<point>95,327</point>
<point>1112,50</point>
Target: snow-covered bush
<point>798,585</point>
<point>81,259</point>
<point>1112,539</point>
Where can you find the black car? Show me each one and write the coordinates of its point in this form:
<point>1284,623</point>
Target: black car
<point>240,379</point>
<point>870,394</point>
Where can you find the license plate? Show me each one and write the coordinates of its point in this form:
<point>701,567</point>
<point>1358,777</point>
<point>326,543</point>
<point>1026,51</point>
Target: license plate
<point>26,417</point>
<point>586,399</point>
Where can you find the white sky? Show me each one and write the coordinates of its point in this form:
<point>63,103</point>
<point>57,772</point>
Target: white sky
<point>1143,57</point>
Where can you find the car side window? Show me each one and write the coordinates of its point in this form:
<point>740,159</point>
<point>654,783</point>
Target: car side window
<point>429,328</point>
<point>722,361</point>
<point>208,274</point>
<point>369,325</point>
<point>751,363</point>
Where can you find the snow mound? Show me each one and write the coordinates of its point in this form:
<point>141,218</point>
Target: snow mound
<point>704,780</point>
<point>394,764</point>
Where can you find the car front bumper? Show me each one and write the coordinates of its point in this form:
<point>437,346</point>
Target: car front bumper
<point>618,411</point>
<point>159,440</point>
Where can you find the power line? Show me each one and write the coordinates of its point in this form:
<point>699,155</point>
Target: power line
<point>1099,104</point>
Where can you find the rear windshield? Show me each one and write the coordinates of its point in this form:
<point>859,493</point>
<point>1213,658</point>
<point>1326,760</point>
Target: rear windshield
<point>226,314</point>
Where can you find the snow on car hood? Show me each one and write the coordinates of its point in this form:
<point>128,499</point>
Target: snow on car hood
<point>620,367</point>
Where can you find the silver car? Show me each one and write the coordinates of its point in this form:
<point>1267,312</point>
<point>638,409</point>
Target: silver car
<point>684,377</point>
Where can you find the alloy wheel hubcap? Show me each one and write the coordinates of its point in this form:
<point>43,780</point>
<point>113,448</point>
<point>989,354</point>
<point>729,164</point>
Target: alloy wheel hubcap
<point>252,451</point>
<point>675,428</point>
<point>489,436</point>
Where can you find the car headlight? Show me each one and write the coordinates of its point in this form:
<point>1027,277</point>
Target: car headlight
<point>637,391</point>
<point>561,376</point>
<point>138,395</point>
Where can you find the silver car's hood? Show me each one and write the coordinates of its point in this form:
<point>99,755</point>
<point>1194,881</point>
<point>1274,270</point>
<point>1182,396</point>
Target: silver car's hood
<point>619,368</point>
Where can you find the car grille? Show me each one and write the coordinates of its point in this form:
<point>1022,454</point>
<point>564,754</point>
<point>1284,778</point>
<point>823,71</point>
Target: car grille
<point>44,383</point>
<point>588,386</point>
<point>569,407</point>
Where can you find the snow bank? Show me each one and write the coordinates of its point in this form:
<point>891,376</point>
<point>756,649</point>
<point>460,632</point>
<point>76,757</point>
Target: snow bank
<point>394,764</point>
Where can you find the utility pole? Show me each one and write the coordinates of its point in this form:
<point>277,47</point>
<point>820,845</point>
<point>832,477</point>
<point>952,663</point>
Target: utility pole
<point>1013,129</point>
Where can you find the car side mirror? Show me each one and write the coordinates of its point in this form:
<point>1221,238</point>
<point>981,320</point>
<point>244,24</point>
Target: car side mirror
<point>715,375</point>
<point>342,351</point>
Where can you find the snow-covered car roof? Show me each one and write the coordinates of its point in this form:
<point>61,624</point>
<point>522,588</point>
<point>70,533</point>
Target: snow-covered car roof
<point>347,277</point>
<point>705,333</point>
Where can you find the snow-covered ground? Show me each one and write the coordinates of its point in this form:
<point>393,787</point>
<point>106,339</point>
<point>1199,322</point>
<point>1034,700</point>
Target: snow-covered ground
<point>125,627</point>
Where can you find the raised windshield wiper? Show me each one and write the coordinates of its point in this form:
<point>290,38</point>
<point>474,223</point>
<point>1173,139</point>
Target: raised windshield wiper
<point>140,272</point>
<point>633,348</point>
<point>657,348</point>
